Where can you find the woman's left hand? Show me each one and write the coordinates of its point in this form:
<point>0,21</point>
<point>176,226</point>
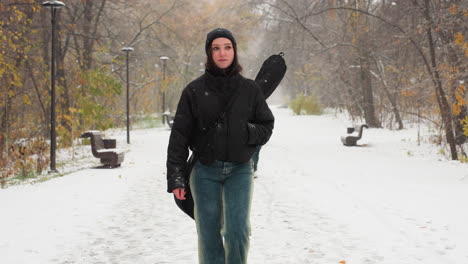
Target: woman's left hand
<point>179,193</point>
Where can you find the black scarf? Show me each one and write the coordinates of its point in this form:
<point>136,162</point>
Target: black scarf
<point>222,84</point>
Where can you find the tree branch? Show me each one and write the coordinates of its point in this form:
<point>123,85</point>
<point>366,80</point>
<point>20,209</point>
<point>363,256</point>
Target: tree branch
<point>142,29</point>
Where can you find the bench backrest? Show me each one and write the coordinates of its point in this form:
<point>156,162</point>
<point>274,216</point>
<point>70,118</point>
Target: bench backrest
<point>359,129</point>
<point>97,143</point>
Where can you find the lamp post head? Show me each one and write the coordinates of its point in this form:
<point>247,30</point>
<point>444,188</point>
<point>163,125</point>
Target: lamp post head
<point>53,4</point>
<point>127,49</point>
<point>164,58</point>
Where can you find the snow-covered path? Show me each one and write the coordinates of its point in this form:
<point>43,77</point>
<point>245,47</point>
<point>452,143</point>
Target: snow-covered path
<point>315,201</point>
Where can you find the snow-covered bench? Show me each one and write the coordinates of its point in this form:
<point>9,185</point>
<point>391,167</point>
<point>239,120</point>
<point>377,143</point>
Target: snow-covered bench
<point>104,149</point>
<point>354,134</point>
<point>168,117</point>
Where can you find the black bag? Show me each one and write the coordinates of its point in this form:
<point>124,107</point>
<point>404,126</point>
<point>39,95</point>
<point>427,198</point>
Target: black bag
<point>271,73</point>
<point>187,205</point>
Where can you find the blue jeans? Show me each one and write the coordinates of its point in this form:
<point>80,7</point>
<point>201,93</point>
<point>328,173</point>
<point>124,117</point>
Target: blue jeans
<point>255,158</point>
<point>222,193</point>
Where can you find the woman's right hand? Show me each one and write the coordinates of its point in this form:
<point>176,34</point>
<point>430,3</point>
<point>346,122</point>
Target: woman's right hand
<point>179,193</point>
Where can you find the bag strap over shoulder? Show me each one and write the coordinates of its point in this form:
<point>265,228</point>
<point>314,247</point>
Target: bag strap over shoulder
<point>209,129</point>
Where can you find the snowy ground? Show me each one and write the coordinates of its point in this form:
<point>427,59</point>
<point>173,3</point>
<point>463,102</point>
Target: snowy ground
<point>315,201</point>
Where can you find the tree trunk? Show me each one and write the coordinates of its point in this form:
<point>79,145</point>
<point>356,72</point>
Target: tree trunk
<point>454,61</point>
<point>4,125</point>
<point>392,97</point>
<point>367,93</point>
<point>360,26</point>
<point>45,20</point>
<point>393,101</point>
<point>63,91</point>
<point>38,93</point>
<point>441,98</point>
<point>460,137</point>
<point>92,16</point>
<point>87,38</point>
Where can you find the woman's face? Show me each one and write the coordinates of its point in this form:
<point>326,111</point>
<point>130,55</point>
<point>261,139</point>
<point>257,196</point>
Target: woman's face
<point>222,52</point>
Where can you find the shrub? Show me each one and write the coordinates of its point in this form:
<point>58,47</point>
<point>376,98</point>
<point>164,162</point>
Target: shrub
<point>306,105</point>
<point>463,159</point>
<point>23,164</point>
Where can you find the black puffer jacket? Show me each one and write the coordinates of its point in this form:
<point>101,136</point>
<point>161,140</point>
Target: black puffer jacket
<point>249,123</point>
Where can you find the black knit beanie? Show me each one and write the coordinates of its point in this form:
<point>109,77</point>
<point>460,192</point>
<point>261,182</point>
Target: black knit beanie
<point>219,33</point>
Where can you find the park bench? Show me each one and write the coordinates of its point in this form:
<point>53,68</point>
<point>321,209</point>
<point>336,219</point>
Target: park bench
<point>353,135</point>
<point>104,149</point>
<point>169,118</point>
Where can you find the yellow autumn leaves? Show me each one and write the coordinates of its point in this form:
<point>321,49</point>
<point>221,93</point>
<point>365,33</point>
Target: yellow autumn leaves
<point>453,9</point>
<point>460,41</point>
<point>459,99</point>
<point>458,37</point>
<point>465,125</point>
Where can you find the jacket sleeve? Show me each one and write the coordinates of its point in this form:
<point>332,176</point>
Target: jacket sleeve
<point>261,128</point>
<point>177,151</point>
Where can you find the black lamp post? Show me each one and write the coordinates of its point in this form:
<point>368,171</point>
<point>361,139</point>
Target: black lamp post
<point>128,50</point>
<point>54,6</point>
<point>164,59</point>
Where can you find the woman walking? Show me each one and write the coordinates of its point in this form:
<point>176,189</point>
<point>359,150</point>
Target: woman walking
<point>222,117</point>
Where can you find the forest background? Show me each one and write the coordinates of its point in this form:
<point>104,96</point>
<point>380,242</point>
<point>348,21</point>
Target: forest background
<point>387,63</point>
